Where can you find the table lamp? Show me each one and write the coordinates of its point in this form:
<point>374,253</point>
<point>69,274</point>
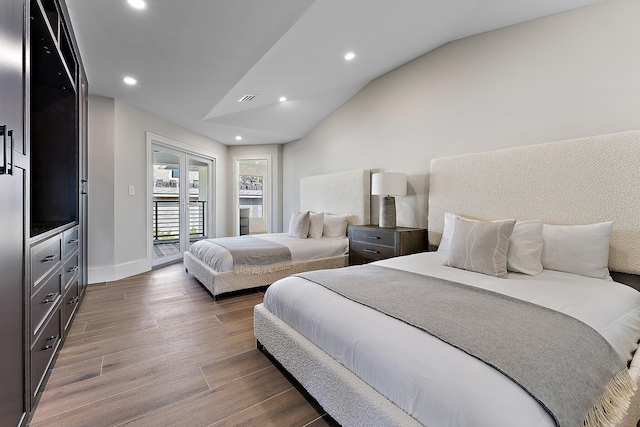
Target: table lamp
<point>388,184</point>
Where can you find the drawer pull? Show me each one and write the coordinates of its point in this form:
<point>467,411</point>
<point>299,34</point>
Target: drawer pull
<point>73,241</point>
<point>371,251</point>
<point>47,301</point>
<point>372,237</point>
<point>50,258</point>
<point>52,294</point>
<point>53,337</point>
<point>47,347</point>
<point>73,269</point>
<point>73,300</point>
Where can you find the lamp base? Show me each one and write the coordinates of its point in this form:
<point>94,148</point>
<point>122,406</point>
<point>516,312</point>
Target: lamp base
<point>387,212</point>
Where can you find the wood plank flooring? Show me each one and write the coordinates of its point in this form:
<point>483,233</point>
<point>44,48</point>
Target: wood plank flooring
<point>156,350</point>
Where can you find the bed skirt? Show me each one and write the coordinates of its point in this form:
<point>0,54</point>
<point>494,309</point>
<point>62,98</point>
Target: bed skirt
<point>341,393</point>
<point>228,281</point>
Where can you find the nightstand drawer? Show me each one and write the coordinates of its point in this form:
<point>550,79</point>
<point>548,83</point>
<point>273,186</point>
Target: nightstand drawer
<point>361,252</point>
<point>367,249</point>
<point>373,236</point>
<point>371,243</point>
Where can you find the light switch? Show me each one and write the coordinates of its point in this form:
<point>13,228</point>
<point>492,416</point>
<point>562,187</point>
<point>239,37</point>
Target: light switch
<point>132,190</point>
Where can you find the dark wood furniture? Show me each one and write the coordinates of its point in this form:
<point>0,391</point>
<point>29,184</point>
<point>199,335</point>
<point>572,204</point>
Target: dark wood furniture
<point>43,170</point>
<point>13,178</point>
<point>243,221</point>
<point>369,243</point>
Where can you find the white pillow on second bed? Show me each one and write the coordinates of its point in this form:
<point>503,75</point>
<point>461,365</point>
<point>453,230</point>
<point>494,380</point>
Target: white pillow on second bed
<point>525,244</point>
<point>577,249</point>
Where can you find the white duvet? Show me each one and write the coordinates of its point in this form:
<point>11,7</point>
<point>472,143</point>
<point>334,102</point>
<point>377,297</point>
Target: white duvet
<point>219,259</point>
<point>437,384</point>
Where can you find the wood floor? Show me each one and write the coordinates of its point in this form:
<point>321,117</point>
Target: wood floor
<point>156,350</point>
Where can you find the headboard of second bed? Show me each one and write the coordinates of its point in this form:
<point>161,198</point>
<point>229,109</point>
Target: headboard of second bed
<point>579,181</point>
<point>338,193</point>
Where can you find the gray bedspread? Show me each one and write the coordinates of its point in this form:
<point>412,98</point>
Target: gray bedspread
<point>256,256</point>
<point>568,367</point>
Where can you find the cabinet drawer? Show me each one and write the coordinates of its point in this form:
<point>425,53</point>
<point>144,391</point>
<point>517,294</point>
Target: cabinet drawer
<point>45,257</point>
<point>368,252</point>
<point>70,241</point>
<point>69,303</point>
<point>43,351</point>
<point>373,236</point>
<point>44,301</point>
<point>70,269</point>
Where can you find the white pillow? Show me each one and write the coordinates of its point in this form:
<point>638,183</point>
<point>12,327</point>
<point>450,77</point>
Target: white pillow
<point>334,225</point>
<point>525,248</point>
<point>299,225</point>
<point>578,249</point>
<point>481,246</point>
<point>525,244</point>
<point>316,225</point>
<point>447,233</point>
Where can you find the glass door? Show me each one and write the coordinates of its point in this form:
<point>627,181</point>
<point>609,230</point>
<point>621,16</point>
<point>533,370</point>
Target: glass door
<point>200,208</point>
<point>181,212</point>
<point>253,195</point>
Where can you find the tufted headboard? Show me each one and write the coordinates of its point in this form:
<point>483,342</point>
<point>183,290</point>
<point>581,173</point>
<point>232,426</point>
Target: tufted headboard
<point>579,181</point>
<point>338,193</point>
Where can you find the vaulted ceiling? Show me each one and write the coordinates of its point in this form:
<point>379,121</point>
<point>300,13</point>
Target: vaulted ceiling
<point>195,59</point>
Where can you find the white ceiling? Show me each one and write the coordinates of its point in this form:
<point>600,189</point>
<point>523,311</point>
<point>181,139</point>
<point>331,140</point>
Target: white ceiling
<point>194,59</point>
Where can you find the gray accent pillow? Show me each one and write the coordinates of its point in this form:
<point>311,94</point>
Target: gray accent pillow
<point>299,224</point>
<point>481,246</point>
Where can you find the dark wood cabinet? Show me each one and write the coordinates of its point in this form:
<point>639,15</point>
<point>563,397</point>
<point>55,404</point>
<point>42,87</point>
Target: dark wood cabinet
<point>369,243</point>
<point>13,181</point>
<point>43,171</point>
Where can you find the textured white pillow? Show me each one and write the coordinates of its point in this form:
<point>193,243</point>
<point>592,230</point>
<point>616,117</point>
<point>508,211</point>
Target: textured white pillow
<point>481,246</point>
<point>334,225</point>
<point>299,225</point>
<point>316,224</point>
<point>578,249</point>
<point>525,244</point>
<point>525,248</point>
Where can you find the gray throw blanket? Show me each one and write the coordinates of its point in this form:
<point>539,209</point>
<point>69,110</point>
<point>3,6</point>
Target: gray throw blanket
<point>567,366</point>
<point>256,256</point>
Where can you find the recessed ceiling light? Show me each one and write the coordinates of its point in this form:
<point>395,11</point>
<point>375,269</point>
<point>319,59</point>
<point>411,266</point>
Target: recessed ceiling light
<point>349,56</point>
<point>282,99</point>
<point>238,138</point>
<point>138,4</point>
<point>130,80</point>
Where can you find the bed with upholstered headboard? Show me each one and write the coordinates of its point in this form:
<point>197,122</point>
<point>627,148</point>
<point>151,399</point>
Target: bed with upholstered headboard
<point>336,200</point>
<point>582,197</point>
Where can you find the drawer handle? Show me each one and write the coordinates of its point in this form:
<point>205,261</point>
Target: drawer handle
<point>73,300</point>
<point>52,294</point>
<point>53,337</point>
<point>50,258</point>
<point>371,251</point>
<point>47,301</point>
<point>47,347</point>
<point>73,269</point>
<point>73,241</point>
<point>372,237</point>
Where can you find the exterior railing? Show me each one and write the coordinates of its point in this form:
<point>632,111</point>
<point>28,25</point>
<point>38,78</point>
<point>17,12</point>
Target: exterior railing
<point>166,220</point>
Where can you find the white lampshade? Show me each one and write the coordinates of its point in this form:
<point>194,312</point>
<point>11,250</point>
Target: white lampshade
<point>389,184</point>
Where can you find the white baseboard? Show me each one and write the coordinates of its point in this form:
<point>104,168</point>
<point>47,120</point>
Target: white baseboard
<point>117,272</point>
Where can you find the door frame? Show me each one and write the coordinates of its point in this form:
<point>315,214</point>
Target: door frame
<point>267,192</point>
<point>154,139</point>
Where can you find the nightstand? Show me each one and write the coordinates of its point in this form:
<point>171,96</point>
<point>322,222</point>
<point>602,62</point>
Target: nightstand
<point>371,243</point>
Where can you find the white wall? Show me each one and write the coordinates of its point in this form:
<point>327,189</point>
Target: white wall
<point>101,215</point>
<point>128,214</point>
<point>569,75</point>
